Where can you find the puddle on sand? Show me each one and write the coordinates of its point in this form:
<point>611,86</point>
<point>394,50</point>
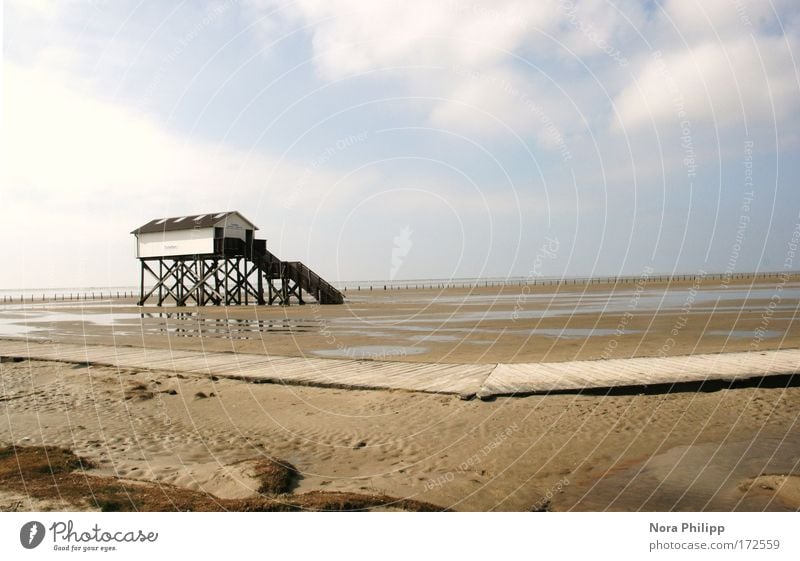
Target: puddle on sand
<point>39,323</point>
<point>557,333</point>
<point>435,338</point>
<point>574,332</point>
<point>373,352</point>
<point>13,329</point>
<point>36,323</point>
<point>746,334</point>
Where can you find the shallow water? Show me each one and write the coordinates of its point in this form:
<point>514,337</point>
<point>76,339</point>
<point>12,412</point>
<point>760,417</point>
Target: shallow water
<point>454,317</point>
<point>39,323</point>
<point>745,334</point>
<point>573,332</point>
<point>374,352</point>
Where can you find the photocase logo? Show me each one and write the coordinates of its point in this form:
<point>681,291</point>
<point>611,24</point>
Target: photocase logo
<point>402,245</point>
<point>31,534</point>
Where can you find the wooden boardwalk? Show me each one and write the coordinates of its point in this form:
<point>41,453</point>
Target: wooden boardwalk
<point>483,380</point>
<point>582,374</point>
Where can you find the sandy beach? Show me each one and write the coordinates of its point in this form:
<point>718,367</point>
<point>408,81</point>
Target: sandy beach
<point>712,446</point>
<point>680,451</point>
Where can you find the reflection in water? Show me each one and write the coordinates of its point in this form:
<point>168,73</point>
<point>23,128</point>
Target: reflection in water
<point>190,324</point>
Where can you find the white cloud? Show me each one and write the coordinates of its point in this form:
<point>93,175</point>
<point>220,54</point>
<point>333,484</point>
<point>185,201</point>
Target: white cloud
<point>591,29</point>
<point>83,166</point>
<point>709,48</point>
<point>41,9</point>
<point>355,36</point>
<point>737,81</point>
<point>478,45</point>
<point>351,36</point>
<point>722,18</point>
<point>504,102</point>
<point>66,142</point>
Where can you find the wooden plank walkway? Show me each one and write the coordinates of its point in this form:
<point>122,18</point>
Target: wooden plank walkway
<point>483,380</point>
<point>508,379</point>
<point>439,378</point>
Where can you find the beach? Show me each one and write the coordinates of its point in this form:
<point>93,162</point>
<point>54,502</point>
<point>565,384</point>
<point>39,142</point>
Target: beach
<point>705,446</point>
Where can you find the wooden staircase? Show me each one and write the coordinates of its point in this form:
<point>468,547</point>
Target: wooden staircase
<point>290,278</point>
<point>322,291</point>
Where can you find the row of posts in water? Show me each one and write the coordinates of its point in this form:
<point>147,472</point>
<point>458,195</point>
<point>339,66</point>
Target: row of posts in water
<point>69,297</point>
<point>576,281</point>
<point>101,295</point>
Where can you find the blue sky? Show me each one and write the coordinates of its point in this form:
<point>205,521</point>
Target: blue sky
<point>467,133</point>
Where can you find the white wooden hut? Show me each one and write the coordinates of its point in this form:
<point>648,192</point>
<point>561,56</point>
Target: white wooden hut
<point>200,234</point>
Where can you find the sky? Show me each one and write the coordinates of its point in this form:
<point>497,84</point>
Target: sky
<point>404,139</point>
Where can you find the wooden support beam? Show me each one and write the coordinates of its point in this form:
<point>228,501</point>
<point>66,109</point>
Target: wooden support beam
<point>160,276</point>
<point>228,279</point>
<point>141,287</point>
<point>260,281</point>
<point>160,281</point>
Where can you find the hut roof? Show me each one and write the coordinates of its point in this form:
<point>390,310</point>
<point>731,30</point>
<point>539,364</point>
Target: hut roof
<point>188,222</point>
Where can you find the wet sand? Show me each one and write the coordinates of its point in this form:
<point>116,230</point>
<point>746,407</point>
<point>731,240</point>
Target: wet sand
<point>695,448</point>
<point>480,325</point>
